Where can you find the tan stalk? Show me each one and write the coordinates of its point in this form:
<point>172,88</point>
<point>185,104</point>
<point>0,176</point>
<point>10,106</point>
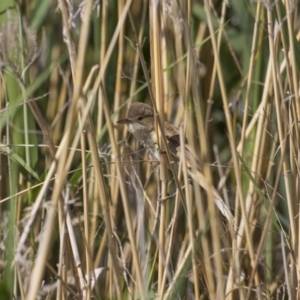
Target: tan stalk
<point>181,263</point>
<point>157,87</point>
<point>205,180</point>
<point>253,199</point>
<point>102,54</point>
<point>190,79</point>
<point>163,241</point>
<point>61,172</point>
<point>99,122</point>
<point>61,270</point>
<point>86,203</point>
<point>115,151</point>
<point>140,282</point>
<point>214,70</point>
<point>38,202</point>
<point>141,211</point>
<point>270,213</point>
<point>104,197</point>
<point>282,137</point>
<point>250,74</point>
<point>189,214</point>
<point>86,212</point>
<point>57,124</point>
<point>232,143</point>
<point>75,251</point>
<point>260,116</point>
<point>70,43</point>
<point>294,91</point>
<point>292,55</point>
<point>172,235</point>
<point>291,93</point>
<point>47,234</point>
<point>91,140</point>
<point>53,87</point>
<point>118,95</point>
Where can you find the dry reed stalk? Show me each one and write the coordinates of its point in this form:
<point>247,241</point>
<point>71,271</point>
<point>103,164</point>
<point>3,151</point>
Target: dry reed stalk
<point>277,87</point>
<point>119,93</point>
<point>232,143</point>
<point>99,128</point>
<point>157,87</point>
<point>61,171</point>
<point>214,71</point>
<point>236,245</point>
<point>119,169</point>
<point>191,253</point>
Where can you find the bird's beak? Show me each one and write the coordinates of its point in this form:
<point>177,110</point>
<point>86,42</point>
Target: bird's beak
<point>124,121</point>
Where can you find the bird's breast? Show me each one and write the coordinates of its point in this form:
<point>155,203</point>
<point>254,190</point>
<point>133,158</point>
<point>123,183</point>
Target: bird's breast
<point>152,147</point>
<point>146,137</point>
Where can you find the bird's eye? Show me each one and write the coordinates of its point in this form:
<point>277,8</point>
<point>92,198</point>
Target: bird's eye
<point>140,118</point>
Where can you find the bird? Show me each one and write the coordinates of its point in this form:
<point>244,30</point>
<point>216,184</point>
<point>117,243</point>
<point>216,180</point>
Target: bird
<point>140,122</point>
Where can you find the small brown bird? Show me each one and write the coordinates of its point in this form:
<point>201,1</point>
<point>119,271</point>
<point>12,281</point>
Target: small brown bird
<point>140,122</point>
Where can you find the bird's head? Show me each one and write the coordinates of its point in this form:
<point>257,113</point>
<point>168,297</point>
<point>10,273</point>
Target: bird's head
<point>140,119</point>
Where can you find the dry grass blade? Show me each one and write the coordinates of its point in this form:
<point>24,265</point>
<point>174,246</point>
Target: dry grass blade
<point>209,209</point>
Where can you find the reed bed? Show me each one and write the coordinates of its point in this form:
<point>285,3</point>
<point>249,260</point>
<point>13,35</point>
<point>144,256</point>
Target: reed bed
<point>84,213</point>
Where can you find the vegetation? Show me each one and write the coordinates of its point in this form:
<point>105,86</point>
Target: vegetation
<point>85,213</point>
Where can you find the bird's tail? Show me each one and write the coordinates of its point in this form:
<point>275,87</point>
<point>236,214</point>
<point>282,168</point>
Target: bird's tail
<point>220,203</point>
